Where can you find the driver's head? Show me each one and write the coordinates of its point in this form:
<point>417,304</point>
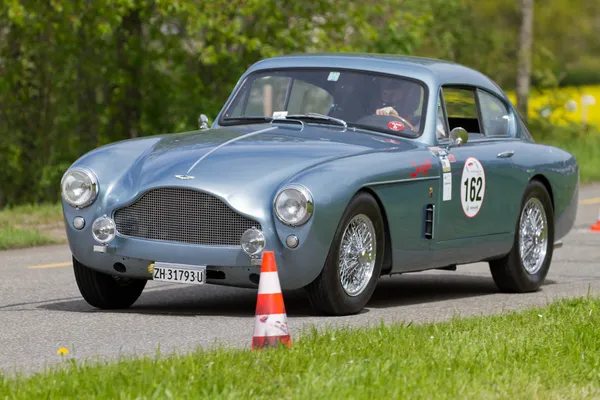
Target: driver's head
<point>404,96</point>
<point>391,92</point>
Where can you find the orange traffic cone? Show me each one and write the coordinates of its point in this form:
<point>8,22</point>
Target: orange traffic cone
<point>596,226</point>
<point>270,324</point>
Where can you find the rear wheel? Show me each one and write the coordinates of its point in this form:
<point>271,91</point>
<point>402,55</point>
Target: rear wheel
<point>105,291</point>
<point>353,265</point>
<point>525,268</point>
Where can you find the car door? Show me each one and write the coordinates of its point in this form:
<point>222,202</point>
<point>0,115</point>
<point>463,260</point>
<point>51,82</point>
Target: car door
<point>477,187</point>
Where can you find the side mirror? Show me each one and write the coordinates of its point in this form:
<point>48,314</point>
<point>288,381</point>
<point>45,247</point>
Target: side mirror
<point>203,121</point>
<point>458,137</point>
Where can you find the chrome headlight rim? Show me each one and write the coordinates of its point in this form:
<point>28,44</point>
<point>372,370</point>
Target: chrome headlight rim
<point>93,183</point>
<point>111,225</point>
<point>259,236</point>
<point>303,190</point>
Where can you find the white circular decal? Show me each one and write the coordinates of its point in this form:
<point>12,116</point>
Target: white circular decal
<point>472,187</point>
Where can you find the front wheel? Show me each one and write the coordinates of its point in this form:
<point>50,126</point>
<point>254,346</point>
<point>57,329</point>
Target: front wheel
<point>525,268</point>
<point>353,265</point>
<point>105,291</point>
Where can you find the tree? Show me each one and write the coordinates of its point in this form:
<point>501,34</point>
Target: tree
<point>524,57</point>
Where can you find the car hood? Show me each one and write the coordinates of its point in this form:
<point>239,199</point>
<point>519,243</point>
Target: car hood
<point>225,161</point>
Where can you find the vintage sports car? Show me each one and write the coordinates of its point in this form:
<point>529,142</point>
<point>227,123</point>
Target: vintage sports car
<point>347,166</point>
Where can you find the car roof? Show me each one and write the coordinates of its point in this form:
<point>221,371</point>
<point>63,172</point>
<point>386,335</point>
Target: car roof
<point>432,71</point>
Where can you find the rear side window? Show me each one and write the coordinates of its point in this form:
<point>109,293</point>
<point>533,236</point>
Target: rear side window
<point>461,109</point>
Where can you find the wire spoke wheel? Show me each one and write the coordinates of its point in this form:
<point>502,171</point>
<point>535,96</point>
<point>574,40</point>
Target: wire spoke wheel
<point>533,236</point>
<point>357,255</point>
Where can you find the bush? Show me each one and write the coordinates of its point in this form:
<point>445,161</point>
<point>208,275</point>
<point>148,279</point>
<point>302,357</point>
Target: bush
<point>585,72</point>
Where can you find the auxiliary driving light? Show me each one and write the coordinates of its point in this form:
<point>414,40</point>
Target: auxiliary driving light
<point>104,230</point>
<point>253,241</point>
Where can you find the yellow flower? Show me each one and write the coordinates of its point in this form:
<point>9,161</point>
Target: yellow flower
<point>63,351</point>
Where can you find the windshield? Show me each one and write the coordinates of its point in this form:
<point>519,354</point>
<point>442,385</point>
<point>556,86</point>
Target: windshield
<point>362,99</point>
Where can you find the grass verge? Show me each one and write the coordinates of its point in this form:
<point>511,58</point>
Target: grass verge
<point>545,353</point>
<point>582,141</point>
<point>587,151</point>
<point>31,225</point>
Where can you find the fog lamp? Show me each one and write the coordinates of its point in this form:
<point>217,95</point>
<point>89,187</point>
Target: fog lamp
<point>253,241</point>
<point>104,230</point>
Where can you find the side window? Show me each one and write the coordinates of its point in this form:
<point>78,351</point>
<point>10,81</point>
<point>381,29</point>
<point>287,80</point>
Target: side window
<point>461,109</point>
<point>495,115</point>
<point>307,98</point>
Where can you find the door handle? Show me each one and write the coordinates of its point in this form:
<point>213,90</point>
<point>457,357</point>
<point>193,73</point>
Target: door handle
<point>506,154</point>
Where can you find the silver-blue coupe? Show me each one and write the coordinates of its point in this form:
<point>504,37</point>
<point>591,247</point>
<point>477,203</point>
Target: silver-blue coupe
<point>347,166</point>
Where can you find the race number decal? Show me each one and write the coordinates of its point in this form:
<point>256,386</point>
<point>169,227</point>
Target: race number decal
<point>472,188</point>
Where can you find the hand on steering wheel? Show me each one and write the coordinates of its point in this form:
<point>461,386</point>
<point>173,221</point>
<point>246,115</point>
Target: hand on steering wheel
<point>389,111</point>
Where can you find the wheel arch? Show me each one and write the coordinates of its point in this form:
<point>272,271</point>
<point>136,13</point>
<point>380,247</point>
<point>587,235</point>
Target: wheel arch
<point>387,249</point>
<point>544,181</point>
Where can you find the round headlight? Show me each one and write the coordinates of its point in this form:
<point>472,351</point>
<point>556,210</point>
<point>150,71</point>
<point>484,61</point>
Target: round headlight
<point>253,241</point>
<point>294,205</point>
<point>103,229</point>
<point>79,187</point>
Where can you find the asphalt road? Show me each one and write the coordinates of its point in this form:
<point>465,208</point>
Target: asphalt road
<point>41,309</point>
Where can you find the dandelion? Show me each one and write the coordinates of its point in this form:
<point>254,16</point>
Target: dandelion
<point>63,351</point>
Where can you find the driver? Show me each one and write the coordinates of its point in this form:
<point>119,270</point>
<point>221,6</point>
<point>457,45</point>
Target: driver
<point>392,98</point>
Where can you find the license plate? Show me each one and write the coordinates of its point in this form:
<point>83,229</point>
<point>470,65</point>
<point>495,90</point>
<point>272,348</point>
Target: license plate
<point>179,273</point>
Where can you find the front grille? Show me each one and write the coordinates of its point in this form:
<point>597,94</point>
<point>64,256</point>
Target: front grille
<point>182,215</point>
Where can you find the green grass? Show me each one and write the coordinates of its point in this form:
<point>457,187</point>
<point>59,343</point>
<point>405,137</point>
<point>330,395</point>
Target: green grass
<point>583,143</point>
<point>587,152</point>
<point>545,353</point>
<point>31,225</point>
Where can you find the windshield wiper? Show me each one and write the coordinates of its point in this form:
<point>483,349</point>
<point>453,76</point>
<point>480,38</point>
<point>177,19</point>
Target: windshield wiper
<point>248,119</point>
<point>319,117</point>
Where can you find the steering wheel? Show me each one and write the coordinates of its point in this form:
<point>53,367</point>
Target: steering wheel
<point>404,120</point>
<point>393,123</point>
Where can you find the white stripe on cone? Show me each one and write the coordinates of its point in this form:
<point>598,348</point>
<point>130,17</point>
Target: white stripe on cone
<point>271,325</point>
<point>269,283</point>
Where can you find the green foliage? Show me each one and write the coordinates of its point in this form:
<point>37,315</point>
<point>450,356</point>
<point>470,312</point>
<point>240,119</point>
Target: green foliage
<point>542,353</point>
<point>584,72</point>
<point>82,73</point>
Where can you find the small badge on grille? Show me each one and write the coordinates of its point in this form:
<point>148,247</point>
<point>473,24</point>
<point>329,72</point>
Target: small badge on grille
<point>184,177</point>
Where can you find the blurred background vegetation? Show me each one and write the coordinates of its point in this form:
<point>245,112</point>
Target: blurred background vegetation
<point>77,74</point>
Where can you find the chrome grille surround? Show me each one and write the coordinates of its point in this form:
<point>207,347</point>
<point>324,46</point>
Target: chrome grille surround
<point>183,216</point>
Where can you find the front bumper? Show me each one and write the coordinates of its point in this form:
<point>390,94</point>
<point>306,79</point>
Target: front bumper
<point>224,265</point>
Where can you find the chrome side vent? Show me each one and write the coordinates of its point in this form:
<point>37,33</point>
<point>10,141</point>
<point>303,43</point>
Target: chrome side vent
<point>429,215</point>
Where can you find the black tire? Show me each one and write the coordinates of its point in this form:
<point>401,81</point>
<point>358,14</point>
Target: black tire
<point>326,293</point>
<point>105,292</point>
<point>509,273</point>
